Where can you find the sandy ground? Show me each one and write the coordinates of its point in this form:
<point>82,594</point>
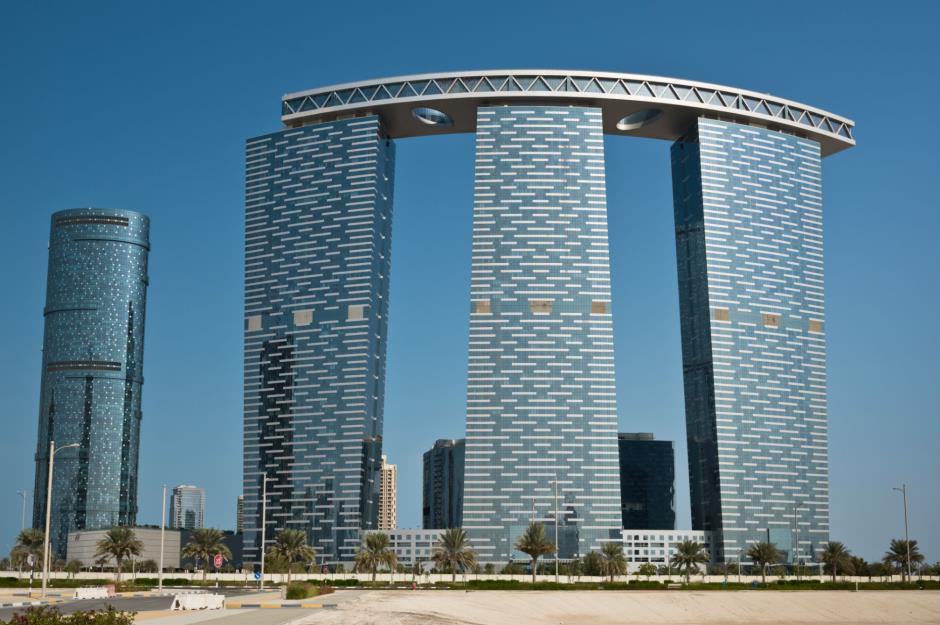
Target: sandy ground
<point>441,607</point>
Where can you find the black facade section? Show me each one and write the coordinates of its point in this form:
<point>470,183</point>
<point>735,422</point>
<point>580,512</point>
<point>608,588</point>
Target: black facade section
<point>442,502</point>
<point>647,482</point>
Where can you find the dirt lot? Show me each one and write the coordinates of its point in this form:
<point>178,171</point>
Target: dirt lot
<point>447,607</point>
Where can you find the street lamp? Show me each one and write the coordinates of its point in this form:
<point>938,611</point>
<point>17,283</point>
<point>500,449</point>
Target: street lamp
<point>907,541</point>
<point>45,548</point>
<point>22,494</point>
<point>264,520</point>
<point>162,533</point>
<point>555,484</point>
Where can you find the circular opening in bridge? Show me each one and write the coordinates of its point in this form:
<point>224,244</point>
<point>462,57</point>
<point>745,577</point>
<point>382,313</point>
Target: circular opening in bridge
<point>432,117</point>
<point>639,119</point>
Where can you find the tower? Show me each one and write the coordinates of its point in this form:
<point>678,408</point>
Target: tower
<point>92,370</point>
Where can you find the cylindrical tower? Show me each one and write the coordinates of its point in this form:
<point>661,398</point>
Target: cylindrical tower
<point>92,370</point>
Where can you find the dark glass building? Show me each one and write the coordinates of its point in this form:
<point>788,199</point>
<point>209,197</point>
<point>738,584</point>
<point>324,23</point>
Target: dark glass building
<point>442,506</point>
<point>318,218</point>
<point>647,482</point>
<point>92,370</point>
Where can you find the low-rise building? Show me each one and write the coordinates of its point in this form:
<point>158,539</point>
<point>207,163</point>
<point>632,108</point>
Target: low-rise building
<point>83,544</point>
<point>413,545</point>
<point>658,547</point>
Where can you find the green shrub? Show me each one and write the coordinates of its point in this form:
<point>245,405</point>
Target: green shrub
<point>303,590</point>
<point>50,616</point>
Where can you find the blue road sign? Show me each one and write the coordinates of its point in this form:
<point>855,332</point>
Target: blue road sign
<point>257,575</point>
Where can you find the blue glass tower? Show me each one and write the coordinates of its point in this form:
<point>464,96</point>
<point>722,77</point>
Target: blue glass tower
<point>92,370</point>
<point>541,403</point>
<point>318,217</point>
<point>748,209</point>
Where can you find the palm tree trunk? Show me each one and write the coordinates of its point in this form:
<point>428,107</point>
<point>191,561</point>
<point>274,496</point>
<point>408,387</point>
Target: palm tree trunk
<point>763,574</point>
<point>288,572</point>
<point>535,566</point>
<point>118,570</point>
<point>453,574</point>
<point>374,570</point>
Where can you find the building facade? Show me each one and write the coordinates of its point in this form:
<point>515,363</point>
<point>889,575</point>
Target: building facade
<point>647,481</point>
<point>748,210</point>
<point>541,402</point>
<point>83,544</point>
<point>318,215</point>
<point>412,546</point>
<point>92,370</point>
<point>642,546</point>
<point>240,514</point>
<point>388,496</point>
<point>442,484</point>
<point>187,507</point>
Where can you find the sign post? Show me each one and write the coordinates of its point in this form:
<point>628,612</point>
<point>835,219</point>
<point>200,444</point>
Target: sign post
<point>217,561</point>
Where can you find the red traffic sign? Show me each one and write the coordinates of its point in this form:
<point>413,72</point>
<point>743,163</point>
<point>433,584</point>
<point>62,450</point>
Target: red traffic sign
<point>218,560</point>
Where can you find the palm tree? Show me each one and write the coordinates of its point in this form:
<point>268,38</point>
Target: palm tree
<point>614,561</point>
<point>592,564</point>
<point>374,553</point>
<point>72,567</point>
<point>292,546</point>
<point>534,544</point>
<point>28,542</point>
<point>689,554</point>
<point>764,554</point>
<point>897,555</point>
<point>836,556</point>
<point>119,543</point>
<point>453,552</point>
<point>204,544</point>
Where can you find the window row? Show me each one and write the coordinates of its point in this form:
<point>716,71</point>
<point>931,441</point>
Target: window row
<point>302,318</point>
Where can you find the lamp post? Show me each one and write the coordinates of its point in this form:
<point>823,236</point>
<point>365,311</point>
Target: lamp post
<point>907,541</point>
<point>45,548</point>
<point>22,494</point>
<point>555,484</point>
<point>264,517</point>
<point>162,533</point>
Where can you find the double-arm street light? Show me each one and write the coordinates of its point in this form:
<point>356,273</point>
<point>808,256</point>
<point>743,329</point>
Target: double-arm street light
<point>45,548</point>
<point>907,541</point>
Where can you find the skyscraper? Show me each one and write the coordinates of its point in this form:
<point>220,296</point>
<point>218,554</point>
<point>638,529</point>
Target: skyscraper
<point>187,507</point>
<point>92,370</point>
<point>318,217</point>
<point>443,468</point>
<point>388,496</point>
<point>540,396</point>
<point>240,514</point>
<point>748,209</point>
<point>647,482</point>
<point>541,401</point>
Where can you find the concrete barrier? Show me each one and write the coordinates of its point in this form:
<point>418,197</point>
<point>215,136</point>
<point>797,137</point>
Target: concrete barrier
<point>94,592</point>
<point>198,602</point>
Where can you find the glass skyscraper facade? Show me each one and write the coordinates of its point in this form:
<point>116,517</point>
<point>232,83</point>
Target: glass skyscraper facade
<point>318,216</point>
<point>647,482</point>
<point>541,402</point>
<point>92,370</point>
<point>748,211</point>
<point>442,479</point>
<point>187,507</point>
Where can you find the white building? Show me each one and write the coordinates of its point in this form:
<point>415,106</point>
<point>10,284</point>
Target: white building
<point>388,496</point>
<point>411,545</point>
<point>658,546</point>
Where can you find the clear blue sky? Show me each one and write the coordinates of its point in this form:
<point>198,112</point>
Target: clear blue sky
<point>147,107</point>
